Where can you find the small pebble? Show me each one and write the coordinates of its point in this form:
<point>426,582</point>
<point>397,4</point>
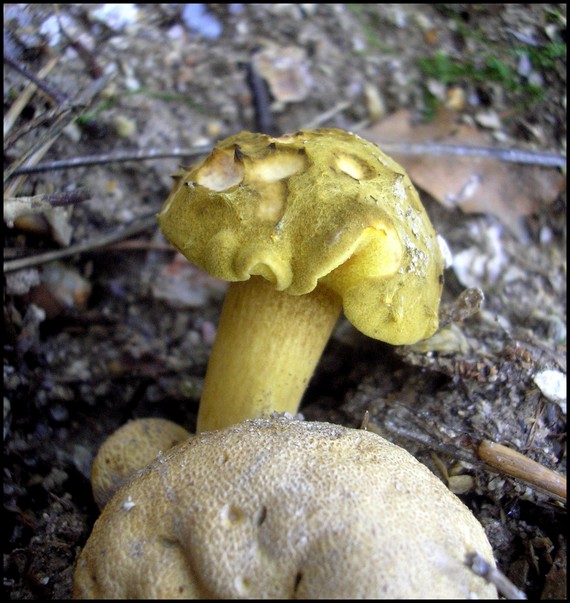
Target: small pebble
<point>552,384</point>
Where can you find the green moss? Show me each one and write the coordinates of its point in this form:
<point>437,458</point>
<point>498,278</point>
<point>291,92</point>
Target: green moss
<point>546,57</point>
<point>495,64</point>
<point>449,71</point>
<point>491,68</point>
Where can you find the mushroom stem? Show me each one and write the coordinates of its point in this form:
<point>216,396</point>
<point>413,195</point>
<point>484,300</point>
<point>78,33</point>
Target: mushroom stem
<point>266,350</point>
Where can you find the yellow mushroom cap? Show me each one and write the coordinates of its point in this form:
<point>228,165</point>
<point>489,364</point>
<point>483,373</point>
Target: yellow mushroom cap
<point>284,509</point>
<point>317,206</point>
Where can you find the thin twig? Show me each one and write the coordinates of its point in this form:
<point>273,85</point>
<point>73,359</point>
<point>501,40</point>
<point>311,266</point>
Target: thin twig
<point>67,197</point>
<point>58,97</point>
<point>495,456</point>
<point>45,119</point>
<point>14,185</point>
<point>68,112</point>
<point>95,243</point>
<point>483,568</point>
<point>53,199</point>
<point>507,155</point>
<point>95,71</point>
<point>141,155</point>
<point>141,245</point>
<point>24,98</point>
<point>43,204</point>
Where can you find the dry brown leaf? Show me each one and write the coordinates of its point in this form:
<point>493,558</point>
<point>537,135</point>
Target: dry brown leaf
<point>474,184</point>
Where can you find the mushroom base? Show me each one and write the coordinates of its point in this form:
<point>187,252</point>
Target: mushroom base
<point>266,350</point>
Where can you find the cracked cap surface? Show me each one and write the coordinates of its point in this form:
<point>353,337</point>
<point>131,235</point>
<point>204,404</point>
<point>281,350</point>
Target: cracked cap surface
<point>317,206</point>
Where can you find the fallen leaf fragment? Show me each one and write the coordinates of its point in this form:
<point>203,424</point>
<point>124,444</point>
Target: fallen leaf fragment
<point>474,184</point>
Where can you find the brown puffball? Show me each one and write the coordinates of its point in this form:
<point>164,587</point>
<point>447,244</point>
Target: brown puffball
<point>130,448</point>
<point>281,508</point>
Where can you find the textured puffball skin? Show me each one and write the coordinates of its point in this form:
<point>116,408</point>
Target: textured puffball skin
<point>129,449</point>
<point>315,207</point>
<point>284,509</point>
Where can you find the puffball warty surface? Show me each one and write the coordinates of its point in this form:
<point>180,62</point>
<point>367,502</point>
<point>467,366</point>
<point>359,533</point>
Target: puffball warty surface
<point>287,509</point>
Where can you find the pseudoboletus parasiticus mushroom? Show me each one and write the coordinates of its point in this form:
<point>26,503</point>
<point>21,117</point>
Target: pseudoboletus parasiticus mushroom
<point>284,509</point>
<point>302,226</point>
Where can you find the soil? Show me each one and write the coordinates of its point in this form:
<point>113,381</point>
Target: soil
<point>124,331</point>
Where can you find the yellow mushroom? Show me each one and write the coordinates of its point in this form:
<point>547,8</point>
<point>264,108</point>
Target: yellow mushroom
<point>302,226</point>
<point>287,509</point>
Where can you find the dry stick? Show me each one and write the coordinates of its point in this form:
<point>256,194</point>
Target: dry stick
<point>38,149</point>
<point>507,155</point>
<point>17,207</point>
<point>144,155</point>
<point>58,97</point>
<point>67,197</point>
<point>67,114</point>
<point>9,121</point>
<point>95,243</point>
<point>17,107</point>
<point>48,200</point>
<point>483,568</point>
<point>496,456</point>
<point>45,119</point>
<point>140,155</point>
<point>517,465</point>
<point>85,55</point>
<point>14,185</point>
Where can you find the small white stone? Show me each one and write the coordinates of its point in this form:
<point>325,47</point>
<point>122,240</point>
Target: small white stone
<point>116,16</point>
<point>445,251</point>
<point>488,119</point>
<point>552,384</point>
